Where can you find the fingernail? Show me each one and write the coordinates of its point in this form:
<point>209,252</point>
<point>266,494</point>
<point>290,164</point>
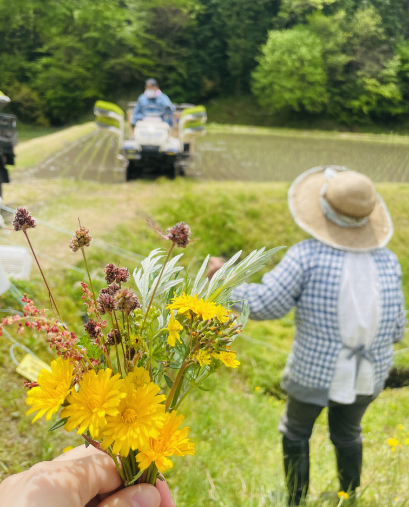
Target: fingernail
<point>146,496</point>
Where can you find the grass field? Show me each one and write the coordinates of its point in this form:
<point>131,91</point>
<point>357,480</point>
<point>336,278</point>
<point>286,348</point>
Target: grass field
<point>238,458</point>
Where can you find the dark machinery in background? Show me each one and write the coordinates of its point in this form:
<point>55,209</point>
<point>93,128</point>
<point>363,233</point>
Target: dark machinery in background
<point>8,139</point>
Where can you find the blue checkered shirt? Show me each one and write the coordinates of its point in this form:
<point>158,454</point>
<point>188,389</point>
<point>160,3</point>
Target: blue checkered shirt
<point>308,278</point>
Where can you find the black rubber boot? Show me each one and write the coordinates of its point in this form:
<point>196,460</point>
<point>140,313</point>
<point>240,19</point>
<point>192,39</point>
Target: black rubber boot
<point>349,462</point>
<point>297,469</point>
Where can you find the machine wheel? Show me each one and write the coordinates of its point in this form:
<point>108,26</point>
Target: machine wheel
<point>4,175</point>
<point>133,171</point>
<point>172,171</point>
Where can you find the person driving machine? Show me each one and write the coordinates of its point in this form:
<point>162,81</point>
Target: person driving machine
<point>154,100</point>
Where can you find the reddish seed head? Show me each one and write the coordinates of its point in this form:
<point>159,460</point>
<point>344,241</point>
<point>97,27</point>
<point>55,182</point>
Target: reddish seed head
<point>111,289</point>
<point>126,300</point>
<point>81,239</point>
<point>93,328</point>
<point>179,234</point>
<point>113,337</point>
<point>110,272</point>
<point>122,275</point>
<point>106,303</point>
<point>115,274</point>
<point>23,220</point>
<point>30,385</point>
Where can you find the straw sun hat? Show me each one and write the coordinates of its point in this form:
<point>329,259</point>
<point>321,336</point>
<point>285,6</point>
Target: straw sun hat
<point>340,208</point>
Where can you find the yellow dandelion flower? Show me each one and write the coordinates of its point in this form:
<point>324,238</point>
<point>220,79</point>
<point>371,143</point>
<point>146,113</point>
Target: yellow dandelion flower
<point>140,377</point>
<point>228,359</point>
<point>53,387</point>
<point>66,449</point>
<point>392,442</point>
<point>174,327</point>
<point>188,305</point>
<point>400,426</point>
<point>203,358</point>
<point>342,494</point>
<point>98,397</point>
<point>140,417</point>
<point>222,314</point>
<point>407,441</point>
<point>171,442</point>
<point>257,389</point>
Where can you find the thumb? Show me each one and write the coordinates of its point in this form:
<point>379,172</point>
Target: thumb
<point>141,495</point>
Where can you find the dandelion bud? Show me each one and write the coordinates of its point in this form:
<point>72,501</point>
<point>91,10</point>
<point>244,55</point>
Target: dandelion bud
<point>126,301</point>
<point>179,234</point>
<point>113,337</point>
<point>23,220</point>
<point>81,239</point>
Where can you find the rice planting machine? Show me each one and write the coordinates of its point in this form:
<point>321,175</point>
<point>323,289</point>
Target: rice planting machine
<point>8,139</point>
<point>152,147</point>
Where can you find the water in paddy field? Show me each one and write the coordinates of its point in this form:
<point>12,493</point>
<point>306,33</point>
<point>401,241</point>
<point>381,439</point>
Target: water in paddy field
<point>239,157</point>
<point>253,157</point>
<point>93,157</point>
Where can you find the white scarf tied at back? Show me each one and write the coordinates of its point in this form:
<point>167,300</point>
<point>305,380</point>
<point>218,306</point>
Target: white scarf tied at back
<point>359,308</point>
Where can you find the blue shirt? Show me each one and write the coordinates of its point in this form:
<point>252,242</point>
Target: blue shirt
<point>161,100</point>
<point>308,278</point>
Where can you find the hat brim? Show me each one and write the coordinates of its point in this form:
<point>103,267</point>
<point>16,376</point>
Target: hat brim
<point>304,204</point>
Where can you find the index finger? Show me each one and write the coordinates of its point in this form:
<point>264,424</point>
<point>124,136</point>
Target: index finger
<point>78,452</point>
<point>165,494</point>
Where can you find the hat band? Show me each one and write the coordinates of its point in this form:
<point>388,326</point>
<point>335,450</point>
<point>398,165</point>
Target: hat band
<point>337,217</point>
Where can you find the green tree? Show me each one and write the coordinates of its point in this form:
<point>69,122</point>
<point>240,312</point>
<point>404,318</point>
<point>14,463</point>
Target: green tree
<point>291,72</point>
<point>371,78</point>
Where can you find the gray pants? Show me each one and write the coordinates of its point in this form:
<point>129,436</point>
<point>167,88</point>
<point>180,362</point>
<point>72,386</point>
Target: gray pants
<point>344,421</point>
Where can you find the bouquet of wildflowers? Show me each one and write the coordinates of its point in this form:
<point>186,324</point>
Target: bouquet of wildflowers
<point>143,350</point>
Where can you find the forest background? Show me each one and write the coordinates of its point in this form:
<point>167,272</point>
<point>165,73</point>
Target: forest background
<point>344,62</point>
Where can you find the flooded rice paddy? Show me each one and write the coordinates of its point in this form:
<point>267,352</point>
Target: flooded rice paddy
<point>248,157</point>
<point>93,157</point>
<point>239,157</point>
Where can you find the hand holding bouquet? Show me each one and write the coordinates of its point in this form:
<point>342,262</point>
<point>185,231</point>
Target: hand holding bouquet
<point>121,384</point>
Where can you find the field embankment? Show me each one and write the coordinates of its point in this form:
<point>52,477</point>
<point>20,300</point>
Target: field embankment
<point>34,151</point>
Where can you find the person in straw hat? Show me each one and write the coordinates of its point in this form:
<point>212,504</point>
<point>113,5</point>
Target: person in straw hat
<point>346,288</point>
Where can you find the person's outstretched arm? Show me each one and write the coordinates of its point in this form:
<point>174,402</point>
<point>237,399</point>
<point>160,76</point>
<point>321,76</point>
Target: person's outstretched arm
<point>79,478</point>
<point>278,291</point>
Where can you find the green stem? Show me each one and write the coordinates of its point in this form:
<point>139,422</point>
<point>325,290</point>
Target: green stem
<point>127,468</point>
<point>52,300</point>
<point>122,345</point>
<point>132,461</point>
<point>129,337</point>
<point>152,474</point>
<point>183,396</point>
<point>116,346</point>
<point>157,285</point>
<point>117,465</point>
<point>89,276</point>
<point>176,384</point>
